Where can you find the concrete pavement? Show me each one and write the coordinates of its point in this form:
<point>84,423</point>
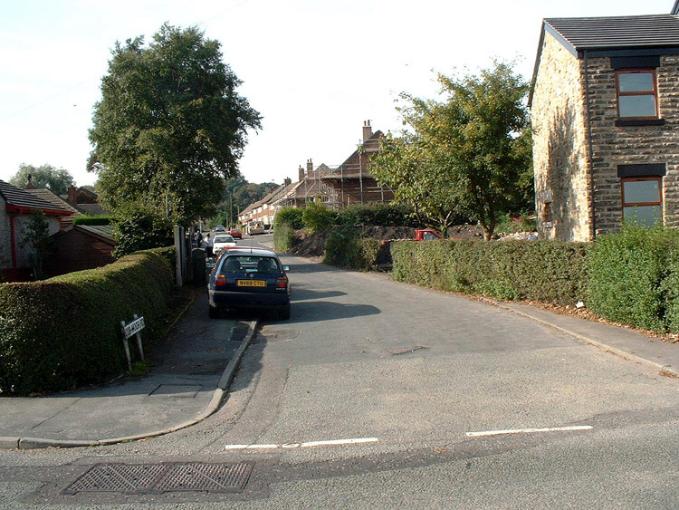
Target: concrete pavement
<point>185,373</point>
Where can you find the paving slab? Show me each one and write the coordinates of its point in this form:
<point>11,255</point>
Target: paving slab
<point>185,373</point>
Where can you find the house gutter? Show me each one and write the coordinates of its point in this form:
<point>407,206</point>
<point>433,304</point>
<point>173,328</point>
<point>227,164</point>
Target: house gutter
<point>590,145</point>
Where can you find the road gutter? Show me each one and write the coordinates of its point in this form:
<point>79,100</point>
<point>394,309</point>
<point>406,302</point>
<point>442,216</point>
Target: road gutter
<point>28,443</point>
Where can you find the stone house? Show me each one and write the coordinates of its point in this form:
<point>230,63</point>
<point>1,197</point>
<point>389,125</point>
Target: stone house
<point>16,208</point>
<point>605,116</point>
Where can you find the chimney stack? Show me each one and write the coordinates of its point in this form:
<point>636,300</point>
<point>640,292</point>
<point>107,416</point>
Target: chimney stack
<point>367,130</point>
<point>29,184</point>
<point>309,167</point>
<point>72,195</point>
<point>301,173</point>
<point>287,181</point>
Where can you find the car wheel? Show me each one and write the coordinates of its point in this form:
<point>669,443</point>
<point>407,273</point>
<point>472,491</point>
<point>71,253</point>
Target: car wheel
<point>213,312</point>
<point>284,313</point>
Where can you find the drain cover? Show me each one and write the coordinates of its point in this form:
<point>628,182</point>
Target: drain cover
<point>165,477</point>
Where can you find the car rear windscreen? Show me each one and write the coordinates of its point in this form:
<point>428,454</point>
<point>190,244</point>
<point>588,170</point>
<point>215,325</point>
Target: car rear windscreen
<point>250,264</point>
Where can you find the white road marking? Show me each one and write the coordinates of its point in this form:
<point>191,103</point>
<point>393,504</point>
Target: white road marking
<point>527,431</point>
<point>308,444</point>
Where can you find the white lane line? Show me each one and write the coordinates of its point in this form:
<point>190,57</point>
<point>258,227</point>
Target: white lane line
<point>527,431</point>
<point>308,444</point>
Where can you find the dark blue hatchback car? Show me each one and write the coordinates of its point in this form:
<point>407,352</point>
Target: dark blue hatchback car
<point>249,278</point>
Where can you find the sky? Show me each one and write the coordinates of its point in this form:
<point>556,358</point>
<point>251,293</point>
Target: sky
<point>314,69</point>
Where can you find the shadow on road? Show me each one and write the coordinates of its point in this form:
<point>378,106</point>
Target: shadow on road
<point>300,293</point>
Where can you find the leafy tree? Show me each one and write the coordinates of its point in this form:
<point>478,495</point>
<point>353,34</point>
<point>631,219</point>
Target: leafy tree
<point>170,125</point>
<point>465,154</point>
<point>55,179</point>
<point>36,237</point>
<point>136,227</point>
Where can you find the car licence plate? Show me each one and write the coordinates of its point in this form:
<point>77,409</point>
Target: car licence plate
<point>251,283</point>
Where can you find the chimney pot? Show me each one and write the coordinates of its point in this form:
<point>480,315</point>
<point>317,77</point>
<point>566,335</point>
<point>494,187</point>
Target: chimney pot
<point>367,130</point>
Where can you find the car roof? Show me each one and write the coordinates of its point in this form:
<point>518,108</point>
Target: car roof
<point>251,251</point>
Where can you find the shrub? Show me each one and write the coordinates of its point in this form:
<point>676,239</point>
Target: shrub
<point>65,332</point>
<point>291,216</point>
<point>94,219</point>
<point>634,277</point>
<point>136,230</point>
<point>283,237</point>
<point>344,249</point>
<point>382,215</point>
<point>548,271</point>
<point>318,218</point>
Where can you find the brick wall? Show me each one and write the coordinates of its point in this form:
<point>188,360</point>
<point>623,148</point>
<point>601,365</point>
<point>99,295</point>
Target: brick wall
<point>5,244</point>
<point>613,146</point>
<point>75,251</point>
<point>560,145</point>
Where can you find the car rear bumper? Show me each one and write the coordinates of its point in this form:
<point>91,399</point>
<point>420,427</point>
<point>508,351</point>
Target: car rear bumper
<point>227,299</point>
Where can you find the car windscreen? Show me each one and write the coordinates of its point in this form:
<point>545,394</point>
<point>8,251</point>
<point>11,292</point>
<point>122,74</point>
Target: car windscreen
<point>250,264</point>
<point>223,239</point>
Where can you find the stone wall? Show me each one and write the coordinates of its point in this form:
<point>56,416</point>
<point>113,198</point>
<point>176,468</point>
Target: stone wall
<point>613,146</point>
<point>560,147</point>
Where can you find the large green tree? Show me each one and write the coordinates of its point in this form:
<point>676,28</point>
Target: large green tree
<point>465,154</point>
<point>170,126</point>
<point>55,179</point>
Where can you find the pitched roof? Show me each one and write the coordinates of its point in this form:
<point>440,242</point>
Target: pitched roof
<point>48,196</point>
<point>22,198</point>
<point>102,232</point>
<point>92,209</point>
<point>654,30</point>
<point>675,9</point>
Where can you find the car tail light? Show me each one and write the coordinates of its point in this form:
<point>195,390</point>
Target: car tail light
<point>221,280</point>
<point>282,282</point>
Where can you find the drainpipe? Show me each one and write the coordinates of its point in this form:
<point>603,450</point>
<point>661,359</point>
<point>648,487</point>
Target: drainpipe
<point>589,141</point>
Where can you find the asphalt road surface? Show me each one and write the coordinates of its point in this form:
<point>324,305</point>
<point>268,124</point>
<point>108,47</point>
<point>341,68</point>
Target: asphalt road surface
<point>377,394</point>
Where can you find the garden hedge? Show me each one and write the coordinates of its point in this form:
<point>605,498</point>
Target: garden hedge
<point>64,332</point>
<point>548,271</point>
<point>95,219</point>
<point>344,249</point>
<point>635,278</point>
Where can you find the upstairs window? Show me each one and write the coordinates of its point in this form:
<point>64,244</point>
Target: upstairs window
<point>642,200</point>
<point>637,94</point>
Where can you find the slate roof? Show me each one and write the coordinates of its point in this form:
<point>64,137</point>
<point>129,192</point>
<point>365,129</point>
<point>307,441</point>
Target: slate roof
<point>22,198</point>
<point>654,30</point>
<point>48,196</point>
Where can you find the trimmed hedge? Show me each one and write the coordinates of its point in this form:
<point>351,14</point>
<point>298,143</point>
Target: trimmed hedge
<point>290,215</point>
<point>547,271</point>
<point>344,249</point>
<point>64,332</point>
<point>95,219</point>
<point>635,278</point>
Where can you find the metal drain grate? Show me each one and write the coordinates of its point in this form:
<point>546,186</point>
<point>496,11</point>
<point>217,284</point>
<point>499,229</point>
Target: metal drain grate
<point>205,477</point>
<point>165,477</point>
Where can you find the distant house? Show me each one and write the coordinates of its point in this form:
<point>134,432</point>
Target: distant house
<point>352,182</point>
<point>82,247</point>
<point>605,118</point>
<point>16,208</point>
<point>84,200</point>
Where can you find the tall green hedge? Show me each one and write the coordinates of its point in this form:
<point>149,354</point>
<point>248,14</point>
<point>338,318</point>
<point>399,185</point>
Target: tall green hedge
<point>635,278</point>
<point>64,332</point>
<point>283,237</point>
<point>548,271</point>
<point>344,249</point>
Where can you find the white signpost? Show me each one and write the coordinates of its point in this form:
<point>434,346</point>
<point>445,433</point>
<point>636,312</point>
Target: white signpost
<point>129,330</point>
